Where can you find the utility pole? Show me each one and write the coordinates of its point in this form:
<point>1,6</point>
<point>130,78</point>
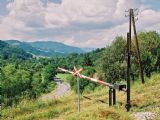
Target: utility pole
<point>132,21</point>
<point>130,26</point>
<point>128,105</point>
<point>137,46</point>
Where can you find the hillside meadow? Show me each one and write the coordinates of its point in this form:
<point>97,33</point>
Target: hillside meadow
<point>143,98</point>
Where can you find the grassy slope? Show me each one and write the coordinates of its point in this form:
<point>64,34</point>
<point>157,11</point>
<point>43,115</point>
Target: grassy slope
<point>144,98</point>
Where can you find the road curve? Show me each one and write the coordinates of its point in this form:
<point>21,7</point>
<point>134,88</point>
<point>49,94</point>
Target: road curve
<point>61,90</point>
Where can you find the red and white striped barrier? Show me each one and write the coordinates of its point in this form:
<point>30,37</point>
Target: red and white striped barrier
<point>78,74</point>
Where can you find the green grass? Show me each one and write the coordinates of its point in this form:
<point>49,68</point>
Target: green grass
<point>143,98</point>
<point>64,76</point>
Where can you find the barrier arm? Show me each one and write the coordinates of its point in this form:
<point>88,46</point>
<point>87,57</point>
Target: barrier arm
<point>77,73</point>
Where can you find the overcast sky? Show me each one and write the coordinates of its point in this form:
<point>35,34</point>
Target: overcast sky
<point>82,23</point>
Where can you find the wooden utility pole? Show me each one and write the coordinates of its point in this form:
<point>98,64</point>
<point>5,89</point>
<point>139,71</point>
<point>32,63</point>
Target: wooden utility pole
<point>132,21</point>
<point>130,26</point>
<point>137,47</point>
<point>128,105</point>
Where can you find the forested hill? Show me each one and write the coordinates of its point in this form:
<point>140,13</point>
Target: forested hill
<point>47,48</point>
<point>10,52</point>
<point>56,47</point>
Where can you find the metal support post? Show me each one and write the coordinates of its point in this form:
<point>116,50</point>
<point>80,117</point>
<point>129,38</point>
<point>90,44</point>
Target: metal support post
<point>110,96</point>
<point>78,91</point>
<point>114,96</point>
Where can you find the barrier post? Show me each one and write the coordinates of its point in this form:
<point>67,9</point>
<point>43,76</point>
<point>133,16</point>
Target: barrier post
<point>110,96</point>
<point>114,96</point>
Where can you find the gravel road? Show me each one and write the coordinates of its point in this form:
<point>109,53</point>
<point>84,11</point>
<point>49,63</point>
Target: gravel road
<point>62,89</point>
<point>144,116</point>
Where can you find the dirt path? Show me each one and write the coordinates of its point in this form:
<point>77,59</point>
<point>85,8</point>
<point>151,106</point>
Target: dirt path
<point>144,116</point>
<point>61,90</point>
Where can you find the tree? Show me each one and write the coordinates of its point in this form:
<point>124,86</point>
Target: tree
<point>14,83</point>
<point>87,60</point>
<point>150,51</point>
<point>48,74</point>
<point>111,66</point>
<point>37,86</point>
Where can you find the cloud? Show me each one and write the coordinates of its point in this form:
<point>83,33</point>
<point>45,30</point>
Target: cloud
<point>148,18</point>
<point>84,23</point>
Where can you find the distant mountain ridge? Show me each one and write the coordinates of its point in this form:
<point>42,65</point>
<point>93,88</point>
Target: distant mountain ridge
<point>47,48</point>
<point>10,52</point>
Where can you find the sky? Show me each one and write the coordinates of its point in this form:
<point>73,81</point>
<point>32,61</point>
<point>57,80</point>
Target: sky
<point>81,23</point>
